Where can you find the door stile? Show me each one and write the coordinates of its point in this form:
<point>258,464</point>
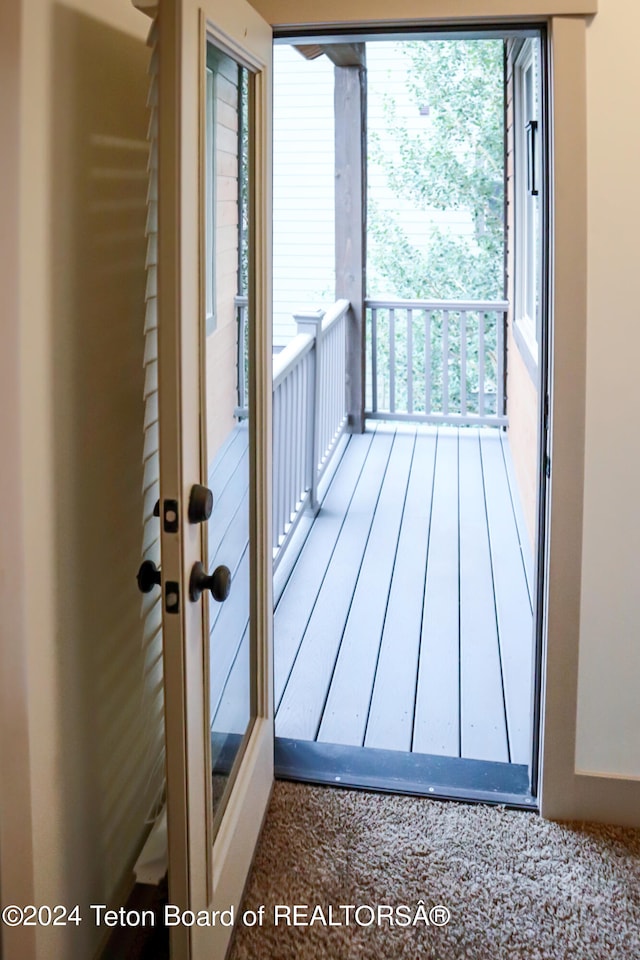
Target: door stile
<point>209,860</point>
<point>262,422</point>
<point>178,360</point>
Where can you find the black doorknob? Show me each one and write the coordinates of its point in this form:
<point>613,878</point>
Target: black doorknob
<point>219,582</point>
<point>149,576</point>
<point>200,503</point>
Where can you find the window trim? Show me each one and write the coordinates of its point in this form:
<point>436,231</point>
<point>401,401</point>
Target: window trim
<point>526,328</point>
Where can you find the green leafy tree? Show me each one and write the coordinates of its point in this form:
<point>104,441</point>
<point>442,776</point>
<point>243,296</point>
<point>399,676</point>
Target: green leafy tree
<point>456,163</point>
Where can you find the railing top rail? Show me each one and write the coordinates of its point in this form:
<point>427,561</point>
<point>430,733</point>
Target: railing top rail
<point>484,306</point>
<point>334,313</point>
<point>292,354</point>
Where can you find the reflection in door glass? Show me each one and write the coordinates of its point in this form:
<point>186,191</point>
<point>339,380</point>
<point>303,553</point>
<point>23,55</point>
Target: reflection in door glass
<point>227,409</point>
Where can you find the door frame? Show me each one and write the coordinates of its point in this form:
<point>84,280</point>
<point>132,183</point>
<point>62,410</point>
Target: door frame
<point>445,777</point>
<point>564,793</point>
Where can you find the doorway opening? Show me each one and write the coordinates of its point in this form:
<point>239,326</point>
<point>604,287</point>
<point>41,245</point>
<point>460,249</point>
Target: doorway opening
<point>409,397</point>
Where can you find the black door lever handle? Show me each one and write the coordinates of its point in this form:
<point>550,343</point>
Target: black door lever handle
<point>219,582</point>
<point>148,577</point>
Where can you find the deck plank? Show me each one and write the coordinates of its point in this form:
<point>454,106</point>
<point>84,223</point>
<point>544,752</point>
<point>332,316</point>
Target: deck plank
<point>345,715</point>
<point>304,697</point>
<point>482,713</point>
<point>390,722</point>
<point>437,714</point>
<point>515,621</point>
<point>300,594</point>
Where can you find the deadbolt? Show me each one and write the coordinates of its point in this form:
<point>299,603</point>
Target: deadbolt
<point>219,582</point>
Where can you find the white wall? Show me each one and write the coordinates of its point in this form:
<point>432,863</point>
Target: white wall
<point>608,738</point>
<point>78,720</point>
<point>16,848</point>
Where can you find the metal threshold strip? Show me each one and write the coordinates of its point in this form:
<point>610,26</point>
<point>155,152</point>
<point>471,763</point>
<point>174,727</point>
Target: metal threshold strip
<point>402,772</point>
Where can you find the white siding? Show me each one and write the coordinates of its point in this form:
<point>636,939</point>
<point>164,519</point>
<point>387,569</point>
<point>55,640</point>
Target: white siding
<point>303,188</point>
<point>303,183</point>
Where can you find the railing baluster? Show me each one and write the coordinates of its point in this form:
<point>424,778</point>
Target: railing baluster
<point>284,432</point>
<point>275,520</point>
<point>300,430</point>
<point>339,380</point>
<point>374,361</point>
<point>310,451</point>
<point>291,496</point>
<point>410,361</point>
<point>445,361</point>
<point>304,367</point>
<point>451,371</point>
<point>392,360</point>
<point>427,361</point>
<point>463,362</point>
<point>481,364</point>
<point>343,360</point>
<point>500,319</point>
<point>302,480</point>
<point>283,442</point>
<point>292,440</point>
<point>294,432</point>
<point>332,390</point>
<point>325,372</point>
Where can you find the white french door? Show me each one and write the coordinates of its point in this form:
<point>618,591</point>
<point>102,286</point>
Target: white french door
<point>214,268</point>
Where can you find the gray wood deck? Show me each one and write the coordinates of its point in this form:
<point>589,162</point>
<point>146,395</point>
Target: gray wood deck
<point>406,621</point>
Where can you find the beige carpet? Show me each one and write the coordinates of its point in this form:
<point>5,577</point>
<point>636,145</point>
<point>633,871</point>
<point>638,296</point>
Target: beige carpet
<point>516,886</point>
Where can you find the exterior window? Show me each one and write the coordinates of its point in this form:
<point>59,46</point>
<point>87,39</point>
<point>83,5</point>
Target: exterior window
<point>528,195</point>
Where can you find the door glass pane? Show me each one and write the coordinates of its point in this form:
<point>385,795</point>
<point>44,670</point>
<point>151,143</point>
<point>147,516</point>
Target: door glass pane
<point>227,417</point>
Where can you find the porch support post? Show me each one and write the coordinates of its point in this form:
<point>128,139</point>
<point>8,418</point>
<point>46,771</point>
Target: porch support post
<point>350,210</point>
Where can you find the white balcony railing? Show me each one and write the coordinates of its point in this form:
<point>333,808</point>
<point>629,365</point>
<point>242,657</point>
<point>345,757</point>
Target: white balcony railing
<point>309,415</point>
<point>427,361</point>
<point>436,361</point>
